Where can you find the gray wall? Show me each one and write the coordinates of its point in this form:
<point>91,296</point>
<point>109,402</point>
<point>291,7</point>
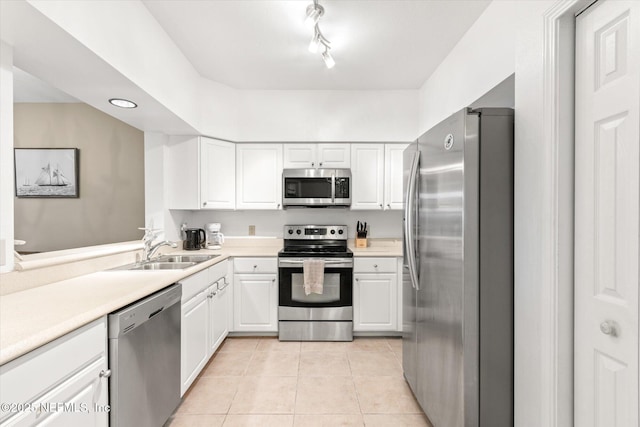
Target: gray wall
<point>111,159</point>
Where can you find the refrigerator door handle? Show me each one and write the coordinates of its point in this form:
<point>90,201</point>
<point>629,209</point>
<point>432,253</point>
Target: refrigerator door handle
<point>408,224</point>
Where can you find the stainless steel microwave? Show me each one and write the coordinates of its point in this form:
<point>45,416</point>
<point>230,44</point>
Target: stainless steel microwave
<point>316,188</point>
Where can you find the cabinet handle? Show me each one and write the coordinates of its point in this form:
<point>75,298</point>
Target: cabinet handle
<point>105,373</point>
<point>375,265</point>
<point>357,279</point>
<point>273,280</point>
<point>388,206</point>
<point>320,163</point>
<point>255,266</point>
<point>278,206</point>
<point>313,164</point>
<point>204,204</point>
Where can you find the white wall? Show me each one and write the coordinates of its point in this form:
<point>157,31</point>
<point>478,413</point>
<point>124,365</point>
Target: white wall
<point>6,157</point>
<point>322,115</point>
<point>483,58</point>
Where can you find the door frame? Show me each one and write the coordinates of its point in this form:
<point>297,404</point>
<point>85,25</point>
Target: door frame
<point>557,327</point>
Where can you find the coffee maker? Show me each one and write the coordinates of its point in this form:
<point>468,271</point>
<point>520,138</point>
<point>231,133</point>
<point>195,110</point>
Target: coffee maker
<point>215,238</point>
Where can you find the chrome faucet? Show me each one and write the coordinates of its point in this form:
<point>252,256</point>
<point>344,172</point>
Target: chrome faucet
<point>149,249</point>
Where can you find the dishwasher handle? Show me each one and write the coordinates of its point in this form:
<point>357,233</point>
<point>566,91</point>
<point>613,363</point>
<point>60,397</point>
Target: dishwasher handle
<point>155,312</point>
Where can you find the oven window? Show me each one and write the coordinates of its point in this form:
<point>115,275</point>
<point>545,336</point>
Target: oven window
<point>330,289</point>
<point>307,188</point>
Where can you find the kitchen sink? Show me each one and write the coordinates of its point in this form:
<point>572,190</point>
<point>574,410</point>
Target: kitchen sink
<point>185,258</point>
<point>167,262</point>
<point>162,266</point>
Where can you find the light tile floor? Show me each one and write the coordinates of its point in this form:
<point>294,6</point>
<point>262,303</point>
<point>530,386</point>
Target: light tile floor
<point>263,382</point>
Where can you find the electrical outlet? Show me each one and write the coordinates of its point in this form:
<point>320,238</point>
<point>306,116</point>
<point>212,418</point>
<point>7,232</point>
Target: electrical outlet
<point>252,230</point>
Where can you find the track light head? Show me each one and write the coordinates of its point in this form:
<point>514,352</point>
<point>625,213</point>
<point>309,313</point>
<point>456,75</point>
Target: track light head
<point>328,59</point>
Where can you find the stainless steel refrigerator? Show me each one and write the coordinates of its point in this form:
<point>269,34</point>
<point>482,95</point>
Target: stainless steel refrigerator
<point>458,269</point>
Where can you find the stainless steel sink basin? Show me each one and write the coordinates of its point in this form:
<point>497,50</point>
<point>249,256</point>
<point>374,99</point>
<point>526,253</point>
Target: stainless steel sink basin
<point>162,266</point>
<point>185,258</point>
<point>168,262</point>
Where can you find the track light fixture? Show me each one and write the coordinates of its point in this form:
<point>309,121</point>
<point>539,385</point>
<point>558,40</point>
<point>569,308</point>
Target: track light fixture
<point>318,43</point>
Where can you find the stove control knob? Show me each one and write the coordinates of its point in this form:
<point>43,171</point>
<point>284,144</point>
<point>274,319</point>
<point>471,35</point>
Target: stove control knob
<point>290,231</point>
<point>333,231</point>
<point>340,231</point>
<point>298,231</point>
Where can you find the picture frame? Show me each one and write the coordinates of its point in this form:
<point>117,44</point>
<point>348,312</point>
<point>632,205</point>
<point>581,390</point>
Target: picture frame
<point>46,172</point>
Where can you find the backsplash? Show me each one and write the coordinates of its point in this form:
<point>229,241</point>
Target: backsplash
<point>384,224</point>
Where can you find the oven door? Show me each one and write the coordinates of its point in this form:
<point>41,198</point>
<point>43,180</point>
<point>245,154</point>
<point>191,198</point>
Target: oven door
<point>337,287</point>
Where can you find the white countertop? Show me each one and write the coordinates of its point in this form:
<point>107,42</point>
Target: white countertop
<point>33,317</point>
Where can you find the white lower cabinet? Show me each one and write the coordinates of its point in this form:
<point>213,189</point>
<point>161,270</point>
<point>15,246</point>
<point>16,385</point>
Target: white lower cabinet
<point>375,295</point>
<point>63,383</point>
<point>219,307</point>
<point>204,320</point>
<point>194,339</point>
<point>255,294</point>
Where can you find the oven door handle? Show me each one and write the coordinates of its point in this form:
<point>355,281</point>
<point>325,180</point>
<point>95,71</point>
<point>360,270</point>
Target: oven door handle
<point>347,263</point>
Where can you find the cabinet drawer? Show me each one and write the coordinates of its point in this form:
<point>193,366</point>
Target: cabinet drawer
<point>255,265</point>
<point>374,265</point>
<point>217,271</point>
<point>37,372</point>
<point>194,284</point>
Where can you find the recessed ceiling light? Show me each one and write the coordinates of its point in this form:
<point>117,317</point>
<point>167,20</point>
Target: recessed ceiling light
<point>122,103</point>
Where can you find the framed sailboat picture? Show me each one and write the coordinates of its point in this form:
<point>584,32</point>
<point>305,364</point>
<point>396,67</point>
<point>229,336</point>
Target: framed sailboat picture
<point>46,172</point>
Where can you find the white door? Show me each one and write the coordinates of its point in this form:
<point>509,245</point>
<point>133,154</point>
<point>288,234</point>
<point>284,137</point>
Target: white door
<point>299,155</point>
<point>375,306</point>
<point>259,176</point>
<point>334,156</point>
<point>393,195</point>
<point>607,197</point>
<point>255,303</point>
<point>194,352</point>
<point>217,174</point>
<point>367,172</point>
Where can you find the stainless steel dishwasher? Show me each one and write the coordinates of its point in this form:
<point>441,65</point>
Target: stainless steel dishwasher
<point>144,356</point>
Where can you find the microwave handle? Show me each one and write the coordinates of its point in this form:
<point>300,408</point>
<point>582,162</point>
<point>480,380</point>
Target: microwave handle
<point>333,187</point>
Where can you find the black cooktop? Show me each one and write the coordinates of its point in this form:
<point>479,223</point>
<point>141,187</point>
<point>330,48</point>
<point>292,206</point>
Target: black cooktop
<point>318,248</point>
<point>315,252</point>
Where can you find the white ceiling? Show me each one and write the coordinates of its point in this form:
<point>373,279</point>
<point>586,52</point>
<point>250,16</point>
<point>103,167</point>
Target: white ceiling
<point>262,44</point>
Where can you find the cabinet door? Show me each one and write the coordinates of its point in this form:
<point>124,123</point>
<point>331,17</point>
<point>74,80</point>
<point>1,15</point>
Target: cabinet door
<point>255,302</point>
<point>393,196</point>
<point>367,170</point>
<point>194,338</point>
<point>217,174</point>
<point>334,155</point>
<point>259,176</point>
<point>65,379</point>
<point>218,314</point>
<point>299,155</point>
<point>375,302</point>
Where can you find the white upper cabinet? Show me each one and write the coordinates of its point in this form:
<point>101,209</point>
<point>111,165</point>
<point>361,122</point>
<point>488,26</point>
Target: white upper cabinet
<point>259,176</point>
<point>217,174</point>
<point>200,173</point>
<point>393,196</point>
<point>367,173</point>
<point>317,155</point>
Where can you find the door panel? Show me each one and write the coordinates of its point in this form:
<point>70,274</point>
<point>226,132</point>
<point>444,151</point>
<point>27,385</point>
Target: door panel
<point>606,214</point>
